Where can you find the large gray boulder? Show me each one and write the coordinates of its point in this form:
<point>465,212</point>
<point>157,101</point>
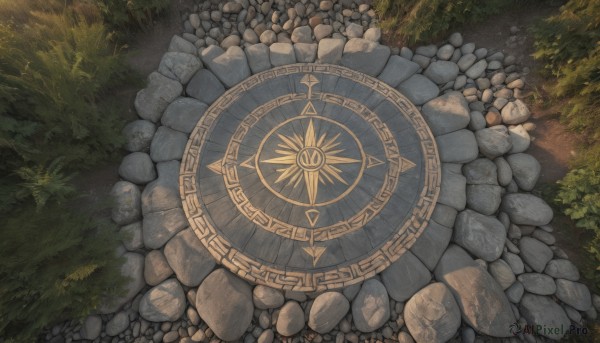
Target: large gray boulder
<point>183,114</point>
<point>535,253</point>
<point>538,283</point>
<point>457,147</point>
<point>446,113</point>
<point>258,57</point>
<point>266,297</point>
<point>224,302</point>
<point>397,70</point>
<point>481,235</point>
<point>432,314</point>
<point>541,310</point>
<point>179,66</point>
<point>330,51</point>
<point>156,268</point>
<point>481,171</point>
<point>574,294</point>
<point>515,112</point>
<point>520,139</point>
<point>371,308</point>
<point>282,54</point>
<point>138,168</point>
<point>493,141</point>
<point>327,310</point>
<point>291,319</point>
<point>526,209</point>
<point>163,303</point>
<point>430,246</point>
<point>484,199</point>
<point>405,277</point>
<point>151,101</point>
<point>305,53</point>
<point>188,258</point>
<point>453,187</point>
<point>526,170</point>
<point>502,273</point>
<point>159,227</point>
<point>441,72</point>
<point>562,269</point>
<point>205,87</point>
<point>126,207</point>
<point>179,44</point>
<point>163,193</point>
<point>418,89</point>
<point>229,66</point>
<point>365,56</point>
<point>138,135</point>
<point>167,145</point>
<point>482,302</point>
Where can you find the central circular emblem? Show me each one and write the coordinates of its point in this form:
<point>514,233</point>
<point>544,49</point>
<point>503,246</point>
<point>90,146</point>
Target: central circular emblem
<point>309,177</point>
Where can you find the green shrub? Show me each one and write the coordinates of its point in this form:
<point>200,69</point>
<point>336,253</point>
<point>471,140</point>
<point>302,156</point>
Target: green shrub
<point>421,20</point>
<point>125,14</point>
<point>54,265</point>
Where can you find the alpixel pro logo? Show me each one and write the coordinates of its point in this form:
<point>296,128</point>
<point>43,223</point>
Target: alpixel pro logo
<point>544,330</point>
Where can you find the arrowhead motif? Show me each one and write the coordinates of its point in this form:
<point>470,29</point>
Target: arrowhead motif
<point>309,110</point>
<point>315,252</point>
<point>406,165</point>
<point>373,161</point>
<point>313,216</point>
<point>216,167</point>
<point>249,163</point>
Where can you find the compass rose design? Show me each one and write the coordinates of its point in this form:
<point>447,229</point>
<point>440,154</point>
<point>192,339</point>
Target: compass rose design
<point>310,158</point>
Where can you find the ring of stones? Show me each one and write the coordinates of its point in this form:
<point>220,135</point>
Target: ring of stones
<point>309,177</point>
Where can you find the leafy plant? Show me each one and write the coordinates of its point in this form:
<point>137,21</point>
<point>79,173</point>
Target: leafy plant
<point>124,14</point>
<point>45,183</point>
<point>54,265</point>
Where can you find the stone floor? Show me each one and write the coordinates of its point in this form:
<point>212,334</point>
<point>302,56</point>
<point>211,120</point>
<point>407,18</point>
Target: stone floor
<point>290,178</point>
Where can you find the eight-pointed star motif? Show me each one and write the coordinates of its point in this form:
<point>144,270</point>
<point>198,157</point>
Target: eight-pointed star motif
<point>310,158</point>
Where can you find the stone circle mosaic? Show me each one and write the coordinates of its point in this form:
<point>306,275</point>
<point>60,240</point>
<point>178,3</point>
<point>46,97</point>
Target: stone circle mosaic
<point>309,177</point>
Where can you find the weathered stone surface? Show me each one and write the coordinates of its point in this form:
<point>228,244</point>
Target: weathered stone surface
<point>179,66</point>
<point>562,269</point>
<point>330,51</point>
<point>151,101</point>
<point>224,302</point>
<point>163,303</point>
<point>515,292</point>
<point>457,147</point>
<point>535,253</point>
<point>365,56</point>
<point>476,69</point>
<point>481,300</point>
<point>432,314</point>
<point>322,31</point>
<point>446,113</point>
<point>159,227</point>
<point>444,215</point>
<point>484,199</point>
<point>466,61</point>
<point>371,308</point>
<point>138,168</point>
<point>188,258</point>
<point>91,327</point>
<point>167,145</point>
<point>520,139</point>
<point>515,112</point>
<point>291,319</point>
<point>117,324</point>
<point>574,294</point>
<point>179,44</point>
<point>258,57</point>
<point>266,297</point>
<point>453,187</point>
<point>445,52</point>
<point>230,66</point>
<point>133,236</point>
<point>397,70</point>
<point>405,277</point>
<point>504,171</point>
<point>526,170</point>
<point>138,135</point>
<point>126,207</point>
<point>441,72</point>
<point>163,193</point>
<point>541,310</point>
<point>302,34</point>
<point>327,311</point>
<point>502,273</point>
<point>431,244</point>
<point>418,89</point>
<point>537,283</point>
<point>183,114</point>
<point>282,54</point>
<point>305,53</point>
<point>354,30</point>
<point>481,171</point>
<point>526,209</point>
<point>205,86</point>
<point>493,141</point>
<point>156,268</point>
<point>133,270</point>
<point>481,235</point>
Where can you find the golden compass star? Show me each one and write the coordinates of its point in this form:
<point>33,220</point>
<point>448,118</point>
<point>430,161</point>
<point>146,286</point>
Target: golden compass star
<point>310,158</point>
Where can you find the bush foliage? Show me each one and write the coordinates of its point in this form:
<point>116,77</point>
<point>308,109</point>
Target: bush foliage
<point>421,20</point>
<point>58,67</point>
<point>569,44</point>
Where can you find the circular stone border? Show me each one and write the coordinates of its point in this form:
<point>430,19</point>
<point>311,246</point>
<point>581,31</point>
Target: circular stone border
<point>321,279</point>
